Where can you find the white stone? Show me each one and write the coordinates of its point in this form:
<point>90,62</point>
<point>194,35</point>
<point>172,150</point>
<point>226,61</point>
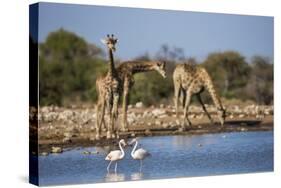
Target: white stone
<point>241,115</point>
<point>165,125</point>
<point>56,149</point>
<point>139,105</point>
<point>158,112</point>
<point>158,122</point>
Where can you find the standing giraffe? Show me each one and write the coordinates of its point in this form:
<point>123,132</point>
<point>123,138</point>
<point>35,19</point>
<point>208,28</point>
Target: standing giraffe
<point>126,72</point>
<point>108,91</point>
<point>192,80</point>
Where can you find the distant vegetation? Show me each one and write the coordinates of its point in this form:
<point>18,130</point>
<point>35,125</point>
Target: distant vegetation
<point>69,66</point>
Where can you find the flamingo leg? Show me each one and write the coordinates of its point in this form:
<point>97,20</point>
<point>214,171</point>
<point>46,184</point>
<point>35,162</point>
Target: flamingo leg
<point>140,165</point>
<point>115,167</point>
<point>108,166</point>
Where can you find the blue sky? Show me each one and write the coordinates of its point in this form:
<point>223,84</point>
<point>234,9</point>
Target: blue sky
<point>145,30</point>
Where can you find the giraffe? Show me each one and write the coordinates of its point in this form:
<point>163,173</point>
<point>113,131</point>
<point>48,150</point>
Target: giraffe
<point>193,80</point>
<point>126,71</point>
<point>108,91</point>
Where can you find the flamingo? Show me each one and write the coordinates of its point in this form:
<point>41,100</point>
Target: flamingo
<point>116,155</point>
<point>139,154</point>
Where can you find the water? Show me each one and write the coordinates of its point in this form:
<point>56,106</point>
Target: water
<point>172,156</point>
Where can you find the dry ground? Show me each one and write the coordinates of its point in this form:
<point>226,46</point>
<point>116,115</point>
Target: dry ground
<point>75,126</point>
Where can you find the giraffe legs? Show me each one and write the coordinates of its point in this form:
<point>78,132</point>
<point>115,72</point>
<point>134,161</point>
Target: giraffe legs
<point>114,112</point>
<point>97,122</point>
<point>176,97</point>
<point>186,105</point>
<point>100,110</point>
<point>183,97</point>
<point>110,115</point>
<point>204,108</point>
<point>125,108</point>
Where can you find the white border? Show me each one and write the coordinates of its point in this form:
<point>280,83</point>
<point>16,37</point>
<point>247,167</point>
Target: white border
<point>14,89</point>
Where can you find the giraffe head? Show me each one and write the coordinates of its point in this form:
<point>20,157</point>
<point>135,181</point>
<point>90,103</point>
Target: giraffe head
<point>160,66</point>
<point>110,41</point>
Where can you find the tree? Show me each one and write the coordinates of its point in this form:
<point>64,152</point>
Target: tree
<point>229,71</point>
<point>68,67</point>
<point>260,85</point>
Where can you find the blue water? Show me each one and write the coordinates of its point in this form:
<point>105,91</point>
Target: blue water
<point>172,156</point>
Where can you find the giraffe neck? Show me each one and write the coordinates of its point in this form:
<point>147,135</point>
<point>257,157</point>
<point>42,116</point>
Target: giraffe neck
<point>112,69</point>
<point>142,66</point>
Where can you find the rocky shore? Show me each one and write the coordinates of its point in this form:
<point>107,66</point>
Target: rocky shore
<point>60,127</point>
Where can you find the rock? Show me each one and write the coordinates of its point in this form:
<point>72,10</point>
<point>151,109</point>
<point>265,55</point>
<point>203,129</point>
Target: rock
<point>192,116</point>
<point>241,116</point>
<point>147,132</point>
<point>132,115</point>
<point>56,149</point>
<point>95,152</point>
<point>259,117</point>
<point>67,134</point>
<point>200,116</point>
<point>44,153</point>
<point>66,140</point>
<point>171,124</point>
<point>181,129</point>
<point>158,122</point>
<point>130,120</point>
<point>162,106</point>
<point>146,114</point>
<point>243,129</point>
<point>158,112</point>
<point>163,116</point>
<point>178,122</point>
<point>266,112</point>
<point>149,123</point>
<point>165,125</point>
<point>139,105</point>
<point>133,134</point>
<point>130,106</point>
<point>86,152</point>
<point>237,109</point>
<point>200,145</point>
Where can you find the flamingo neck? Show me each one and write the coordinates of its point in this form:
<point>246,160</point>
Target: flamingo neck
<point>122,151</point>
<point>134,149</point>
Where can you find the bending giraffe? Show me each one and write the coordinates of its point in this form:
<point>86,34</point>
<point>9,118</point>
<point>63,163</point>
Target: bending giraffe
<point>126,72</point>
<point>191,80</point>
<point>108,91</point>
